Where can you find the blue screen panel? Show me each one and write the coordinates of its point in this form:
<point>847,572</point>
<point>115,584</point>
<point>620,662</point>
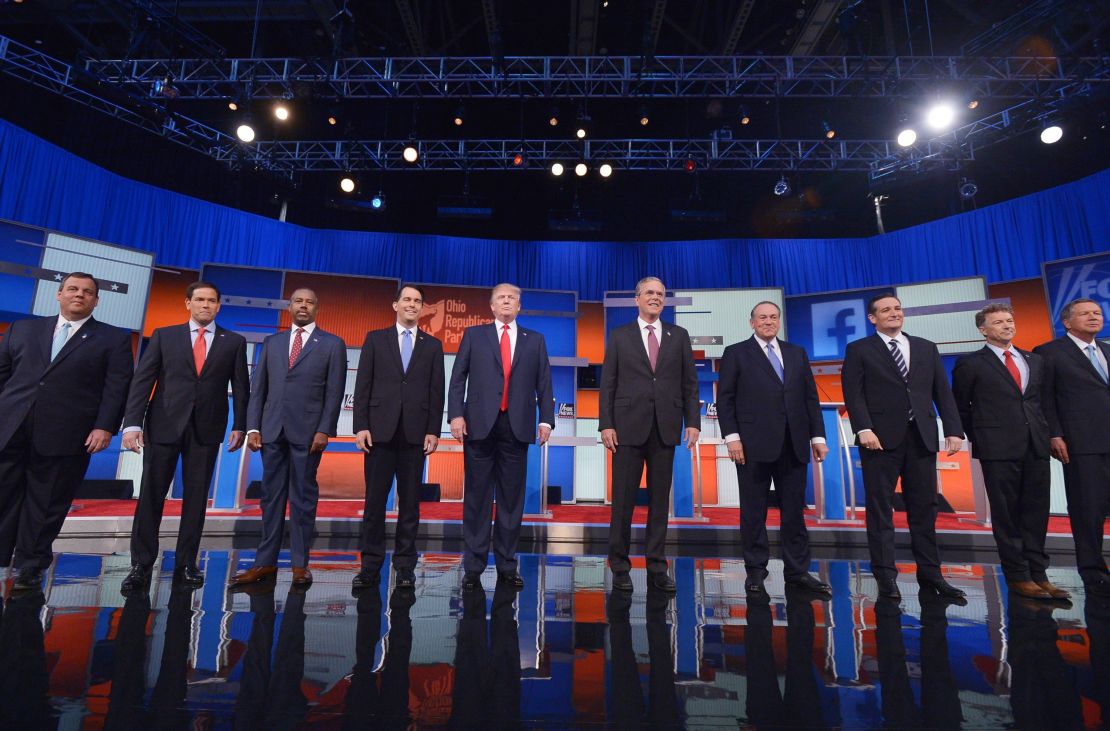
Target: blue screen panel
<point>1086,277</point>
<point>824,324</point>
<point>538,299</point>
<point>19,245</point>
<point>560,333</point>
<point>244,281</point>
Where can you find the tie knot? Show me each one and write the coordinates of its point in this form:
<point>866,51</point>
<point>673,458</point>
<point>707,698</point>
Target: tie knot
<point>407,334</point>
<point>651,328</point>
<point>893,344</point>
<point>300,331</point>
<point>67,325</point>
<point>1008,354</point>
<point>200,331</point>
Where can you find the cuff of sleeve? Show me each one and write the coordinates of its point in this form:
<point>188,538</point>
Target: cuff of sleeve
<point>547,425</point>
<point>863,431</point>
<point>252,431</point>
<point>732,438</point>
<point>817,440</point>
<point>128,430</point>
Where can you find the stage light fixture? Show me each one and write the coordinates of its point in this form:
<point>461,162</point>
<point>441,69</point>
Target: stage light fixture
<point>410,153</point>
<point>333,120</point>
<point>553,120</point>
<point>1051,134</point>
<point>557,169</point>
<point>745,118</point>
<point>233,105</point>
<point>347,184</point>
<point>245,131</point>
<point>580,169</point>
<point>828,128</point>
<point>164,87</point>
<point>281,111</point>
<point>605,170</point>
<point>972,103</point>
<point>519,160</point>
<point>967,188</point>
<point>460,115</point>
<point>907,137</point>
<point>940,116</point>
<point>782,187</point>
<point>645,120</point>
<point>690,165</point>
<point>377,202</point>
<point>580,133</point>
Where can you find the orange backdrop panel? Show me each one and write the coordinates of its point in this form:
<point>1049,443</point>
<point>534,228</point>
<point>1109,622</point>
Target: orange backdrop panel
<point>349,306</point>
<point>1031,315</point>
<point>591,331</point>
<point>340,475</point>
<point>446,468</point>
<point>450,310</point>
<point>167,299</point>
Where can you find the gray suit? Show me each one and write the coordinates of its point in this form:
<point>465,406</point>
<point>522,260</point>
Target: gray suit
<point>288,406</point>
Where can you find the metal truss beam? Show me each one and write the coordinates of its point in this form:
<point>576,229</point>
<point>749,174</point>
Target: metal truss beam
<point>611,76</point>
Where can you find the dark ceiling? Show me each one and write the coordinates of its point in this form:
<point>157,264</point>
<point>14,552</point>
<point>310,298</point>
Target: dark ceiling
<point>628,206</point>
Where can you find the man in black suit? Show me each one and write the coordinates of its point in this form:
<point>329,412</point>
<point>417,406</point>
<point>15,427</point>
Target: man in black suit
<point>397,411</point>
<point>648,389</point>
<point>998,392</point>
<point>496,422</point>
<point>63,385</point>
<point>185,418</point>
<point>1077,406</point>
<point>769,412</point>
<point>891,382</point>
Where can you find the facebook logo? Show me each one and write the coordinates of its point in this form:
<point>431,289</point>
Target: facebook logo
<point>835,324</point>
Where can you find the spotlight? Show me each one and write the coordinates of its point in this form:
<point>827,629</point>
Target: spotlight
<point>460,114</point>
<point>332,120</point>
<point>782,188</point>
<point>1051,134</point>
<point>606,170</point>
<point>553,120</point>
<point>745,118</point>
<point>829,131</point>
<point>281,111</point>
<point>690,165</point>
<point>377,202</point>
<point>233,105</point>
<point>580,133</point>
<point>940,116</point>
<point>967,188</point>
<point>557,169</point>
<point>164,87</point>
<point>519,160</point>
<point>245,131</point>
<point>907,137</point>
<point>644,118</point>
<point>580,169</point>
<point>410,153</point>
<point>347,184</point>
<point>972,103</point>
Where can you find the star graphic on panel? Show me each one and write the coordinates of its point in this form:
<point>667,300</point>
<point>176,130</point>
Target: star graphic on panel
<point>115,287</point>
<point>58,277</point>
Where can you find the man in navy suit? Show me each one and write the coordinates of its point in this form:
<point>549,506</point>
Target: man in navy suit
<point>189,367</point>
<point>769,412</point>
<point>504,374</point>
<point>296,394</point>
<point>63,385</point>
<point>891,383</point>
<point>1077,406</point>
<point>999,391</point>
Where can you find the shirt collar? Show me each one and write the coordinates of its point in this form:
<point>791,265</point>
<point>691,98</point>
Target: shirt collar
<point>307,329</point>
<point>899,338</point>
<point>73,323</point>
<point>1080,343</point>
<point>1000,352</point>
<point>401,329</point>
<point>764,343</point>
<point>644,323</point>
<point>194,326</point>
<point>498,325</point>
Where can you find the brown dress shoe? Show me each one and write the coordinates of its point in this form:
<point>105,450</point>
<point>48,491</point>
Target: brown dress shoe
<point>251,575</point>
<point>1029,590</point>
<point>1053,591</point>
<point>302,577</point>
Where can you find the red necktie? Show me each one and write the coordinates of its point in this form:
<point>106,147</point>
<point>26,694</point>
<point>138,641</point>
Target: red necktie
<point>506,364</point>
<point>1011,366</point>
<point>297,345</point>
<point>653,347</point>
<point>200,349</point>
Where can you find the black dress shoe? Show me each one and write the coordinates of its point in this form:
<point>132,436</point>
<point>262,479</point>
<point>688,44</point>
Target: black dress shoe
<point>136,581</point>
<point>405,579</point>
<point>512,578</point>
<point>622,581</point>
<point>472,581</point>
<point>661,582</point>
<point>942,588</point>
<point>29,578</point>
<point>888,589</point>
<point>365,578</point>
<point>755,589</point>
<point>811,584</point>
<point>1099,587</point>
<point>189,575</point>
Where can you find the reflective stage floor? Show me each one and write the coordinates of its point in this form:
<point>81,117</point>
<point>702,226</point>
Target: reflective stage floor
<point>563,653</point>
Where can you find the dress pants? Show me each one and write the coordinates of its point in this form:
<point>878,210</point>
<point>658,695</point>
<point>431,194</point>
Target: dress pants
<point>494,466</point>
<point>487,692</point>
<point>288,477</point>
<point>36,492</point>
<point>386,460</point>
<point>625,706</point>
<point>1087,485</point>
<point>789,475</point>
<point>25,700</point>
<point>1019,499</point>
<point>628,465</point>
<point>798,705</point>
<point>916,464</point>
<point>372,703</point>
<point>198,460</point>
<point>1042,686</point>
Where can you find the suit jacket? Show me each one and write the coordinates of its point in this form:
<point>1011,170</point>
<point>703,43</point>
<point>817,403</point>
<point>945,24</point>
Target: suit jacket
<point>754,403</point>
<point>181,394</point>
<point>478,376</point>
<point>1001,421</point>
<point>633,397</point>
<point>388,397</point>
<point>1076,400</point>
<point>301,400</point>
<point>878,399</point>
<point>84,388</point>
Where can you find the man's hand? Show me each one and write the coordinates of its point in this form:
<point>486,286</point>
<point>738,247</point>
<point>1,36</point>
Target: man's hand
<point>952,445</point>
<point>868,440</point>
<point>133,441</point>
<point>691,436</point>
<point>254,441</point>
<point>431,444</point>
<point>736,451</point>
<point>545,433</point>
<point>235,441</point>
<point>363,440</point>
<point>458,428</point>
<point>1059,449</point>
<point>609,439</point>
<point>319,443</point>
<point>820,451</point>
<point>97,440</point>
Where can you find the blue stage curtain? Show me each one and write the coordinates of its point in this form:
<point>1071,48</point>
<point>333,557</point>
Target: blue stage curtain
<point>43,185</point>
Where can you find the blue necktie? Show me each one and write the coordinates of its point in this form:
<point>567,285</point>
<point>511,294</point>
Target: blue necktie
<point>60,338</point>
<point>1095,362</point>
<point>406,351</point>
<point>775,363</point>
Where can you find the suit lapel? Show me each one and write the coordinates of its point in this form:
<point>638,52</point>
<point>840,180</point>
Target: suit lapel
<point>307,344</point>
<point>521,344</point>
<point>884,354</point>
<point>996,365</point>
<point>760,356</point>
<point>637,337</point>
<point>1083,358</point>
<point>185,342</point>
<point>76,340</point>
<point>46,338</point>
<point>495,343</point>
<point>219,340</point>
<point>395,349</point>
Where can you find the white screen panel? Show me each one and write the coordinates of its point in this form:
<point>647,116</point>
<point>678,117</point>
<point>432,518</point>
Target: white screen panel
<point>944,312</point>
<point>722,313</point>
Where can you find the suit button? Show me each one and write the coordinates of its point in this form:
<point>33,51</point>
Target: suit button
<point>42,383</point>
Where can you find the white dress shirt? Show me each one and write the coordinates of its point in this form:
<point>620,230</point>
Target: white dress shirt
<point>74,326</point>
<point>1098,351</point>
<point>304,336</point>
<point>774,343</point>
<point>401,330</point>
<point>644,333</point>
<point>1022,366</point>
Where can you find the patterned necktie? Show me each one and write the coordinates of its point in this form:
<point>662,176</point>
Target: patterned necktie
<point>406,350</point>
<point>200,350</point>
<point>506,365</point>
<point>1011,366</point>
<point>1095,362</point>
<point>896,353</point>
<point>774,358</point>
<point>653,347</point>
<point>60,339</point>
<point>297,345</point>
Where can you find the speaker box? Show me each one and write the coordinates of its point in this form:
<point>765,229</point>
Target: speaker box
<point>554,495</point>
<point>105,490</point>
<point>429,492</point>
<point>254,490</point>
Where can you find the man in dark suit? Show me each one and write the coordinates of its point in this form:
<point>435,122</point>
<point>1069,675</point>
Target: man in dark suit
<point>648,389</point>
<point>998,392</point>
<point>768,410</point>
<point>296,394</point>
<point>185,418</point>
<point>63,385</point>
<point>1077,406</point>
<point>398,408</point>
<point>891,382</point>
<point>496,422</point>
